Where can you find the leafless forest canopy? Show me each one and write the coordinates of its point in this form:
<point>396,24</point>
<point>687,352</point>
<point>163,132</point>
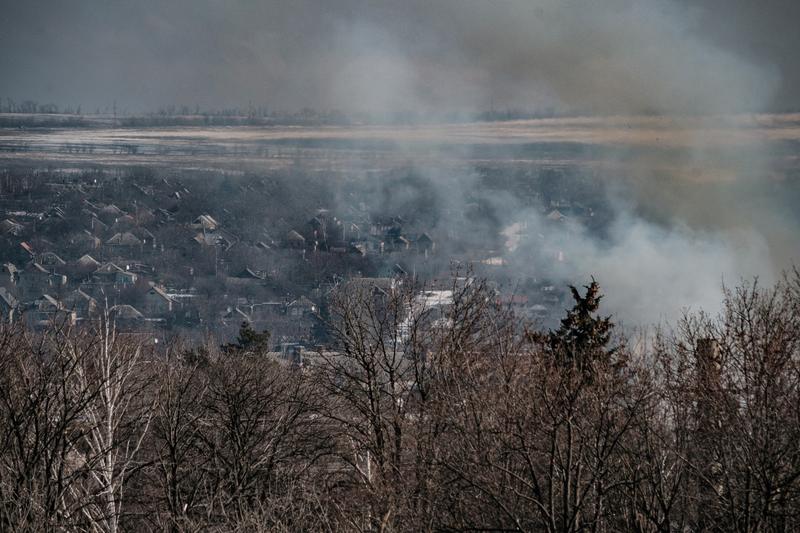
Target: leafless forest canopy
<point>414,418</point>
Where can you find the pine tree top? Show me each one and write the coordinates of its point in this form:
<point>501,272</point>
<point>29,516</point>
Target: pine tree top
<point>583,337</point>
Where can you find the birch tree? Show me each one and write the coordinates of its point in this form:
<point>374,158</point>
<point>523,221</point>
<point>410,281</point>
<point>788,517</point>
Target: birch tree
<point>116,420</point>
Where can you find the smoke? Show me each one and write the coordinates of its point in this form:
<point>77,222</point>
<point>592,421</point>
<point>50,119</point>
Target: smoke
<point>690,209</point>
<point>616,56</point>
<point>690,212</point>
<point>651,269</point>
<point>650,273</point>
<point>385,56</point>
<point>693,204</point>
<point>687,215</point>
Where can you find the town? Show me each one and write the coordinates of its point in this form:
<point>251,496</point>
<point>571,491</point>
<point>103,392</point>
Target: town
<point>170,253</point>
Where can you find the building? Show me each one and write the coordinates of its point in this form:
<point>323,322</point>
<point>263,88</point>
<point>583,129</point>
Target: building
<point>82,303</point>
<point>205,223</point>
<point>48,310</point>
<point>9,306</point>
<point>114,275</point>
<point>11,228</point>
<point>301,307</point>
<point>157,302</point>
<point>124,242</point>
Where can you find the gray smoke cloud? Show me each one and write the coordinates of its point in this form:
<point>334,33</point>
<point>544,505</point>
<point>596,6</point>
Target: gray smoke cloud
<point>650,273</point>
<point>689,214</point>
<point>380,55</point>
<point>611,56</point>
<point>651,269</point>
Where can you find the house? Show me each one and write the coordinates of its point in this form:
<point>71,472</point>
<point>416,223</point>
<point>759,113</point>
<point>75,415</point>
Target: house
<point>10,274</point>
<point>378,289</point>
<point>81,302</point>
<point>516,301</point>
<point>55,211</point>
<point>351,230</point>
<point>85,240</point>
<point>399,243</point>
<point>83,268</point>
<point>140,268</point>
<point>48,310</point>
<point>144,216</point>
<point>382,225</point>
<point>265,310</point>
<point>301,307</point>
<point>239,315</point>
<point>146,190</point>
<point>144,235</point>
<point>86,263</point>
<point>208,240</point>
<point>295,241</point>
<point>108,269</point>
<point>11,228</point>
<point>8,306</point>
<point>425,244</point>
<point>220,238</point>
<point>163,216</point>
<point>114,275</point>
<point>92,206</point>
<point>52,225</point>
<point>36,279</point>
<point>372,245</point>
<point>359,248</point>
<point>538,311</point>
<point>317,229</point>
<point>340,248</point>
<point>123,224</point>
<point>126,315</point>
<point>125,240</point>
<point>157,302</point>
<point>247,278</point>
<point>393,271</point>
<point>110,213</point>
<point>28,248</point>
<point>205,223</point>
<point>50,260</point>
<point>248,273</point>
<point>98,226</point>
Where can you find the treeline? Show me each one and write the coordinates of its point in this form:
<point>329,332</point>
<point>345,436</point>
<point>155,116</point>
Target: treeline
<point>24,114</point>
<point>420,417</point>
<point>46,121</point>
<point>235,117</point>
<point>9,105</point>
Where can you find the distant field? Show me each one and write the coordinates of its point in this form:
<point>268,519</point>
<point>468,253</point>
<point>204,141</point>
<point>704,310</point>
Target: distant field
<point>544,140</point>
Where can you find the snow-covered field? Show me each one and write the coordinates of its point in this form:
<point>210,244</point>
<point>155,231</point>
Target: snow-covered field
<point>538,140</point>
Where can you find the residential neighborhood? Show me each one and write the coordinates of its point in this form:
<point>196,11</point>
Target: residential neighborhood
<point>173,257</point>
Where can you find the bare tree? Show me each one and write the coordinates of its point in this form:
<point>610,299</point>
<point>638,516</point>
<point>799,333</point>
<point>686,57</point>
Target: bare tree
<point>432,409</point>
<point>538,423</point>
<point>381,379</point>
<point>179,458</point>
<point>744,385</point>
<point>41,418</point>
<point>116,420</point>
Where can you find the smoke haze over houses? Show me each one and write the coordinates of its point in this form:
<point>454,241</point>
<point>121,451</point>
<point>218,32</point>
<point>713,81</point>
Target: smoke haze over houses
<point>699,191</point>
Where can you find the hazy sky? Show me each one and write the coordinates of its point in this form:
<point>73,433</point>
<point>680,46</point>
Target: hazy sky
<point>381,55</point>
